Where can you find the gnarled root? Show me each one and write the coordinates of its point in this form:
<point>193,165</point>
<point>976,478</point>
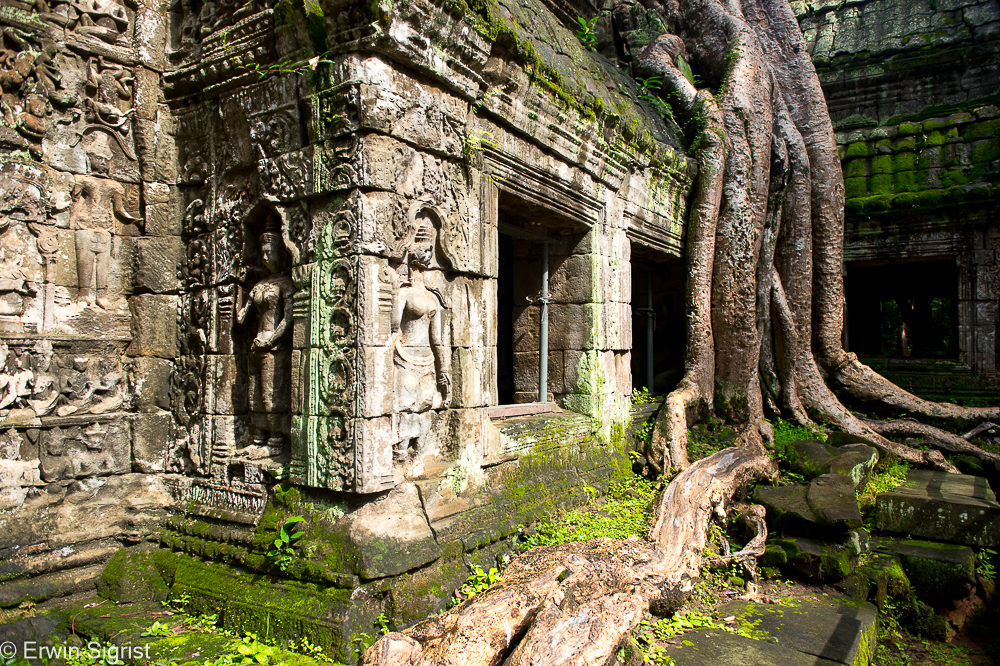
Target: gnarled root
<point>865,384</point>
<point>577,603</point>
<point>941,439</point>
<point>752,516</point>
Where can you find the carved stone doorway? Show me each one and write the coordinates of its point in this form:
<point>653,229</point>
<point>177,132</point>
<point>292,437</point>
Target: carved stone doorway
<point>530,237</point>
<point>505,320</point>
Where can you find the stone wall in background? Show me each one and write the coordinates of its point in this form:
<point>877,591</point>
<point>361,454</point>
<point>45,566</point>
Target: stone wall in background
<point>88,283</point>
<point>913,92</point>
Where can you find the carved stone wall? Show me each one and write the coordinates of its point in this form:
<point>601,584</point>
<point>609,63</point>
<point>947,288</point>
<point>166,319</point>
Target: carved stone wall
<point>244,243</point>
<point>88,292</point>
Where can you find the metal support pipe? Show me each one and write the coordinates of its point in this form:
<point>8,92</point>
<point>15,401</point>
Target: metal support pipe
<point>650,325</point>
<point>543,330</point>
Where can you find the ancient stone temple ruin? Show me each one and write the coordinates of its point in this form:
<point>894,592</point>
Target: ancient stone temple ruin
<point>256,244</point>
<point>395,266</point>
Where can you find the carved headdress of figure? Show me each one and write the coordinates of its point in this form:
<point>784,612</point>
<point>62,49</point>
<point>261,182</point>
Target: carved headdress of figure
<point>422,255</point>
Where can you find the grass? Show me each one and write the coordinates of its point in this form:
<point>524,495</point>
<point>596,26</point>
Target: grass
<point>889,478</point>
<point>786,432</point>
<point>623,513</point>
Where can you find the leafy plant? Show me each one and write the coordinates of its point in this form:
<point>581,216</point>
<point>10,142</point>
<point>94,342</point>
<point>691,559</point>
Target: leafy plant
<point>297,67</point>
<point>649,91</point>
<point>382,622</point>
<point>475,141</point>
<point>640,396</point>
<point>250,650</point>
<point>282,552</point>
<point>478,582</point>
<point>586,33</point>
<point>490,92</point>
<point>645,432</point>
<point>984,563</point>
<point>205,624</point>
<point>179,604</point>
<point>158,629</point>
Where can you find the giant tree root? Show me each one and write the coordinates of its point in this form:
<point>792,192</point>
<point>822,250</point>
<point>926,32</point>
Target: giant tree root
<point>941,439</point>
<point>577,603</point>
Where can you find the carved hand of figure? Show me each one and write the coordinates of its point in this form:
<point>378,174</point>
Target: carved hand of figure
<point>262,342</point>
<point>444,385</point>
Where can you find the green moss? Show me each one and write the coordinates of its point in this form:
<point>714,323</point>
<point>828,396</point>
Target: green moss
<point>905,181</point>
<point>881,184</point>
<point>855,187</point>
<point>132,576</point>
<point>906,143</point>
<point>882,164</point>
<point>940,137</point>
<point>950,177</point>
<point>904,161</point>
<point>985,151</point>
<point>856,168</point>
<point>909,128</point>
<point>987,129</point>
<point>857,149</point>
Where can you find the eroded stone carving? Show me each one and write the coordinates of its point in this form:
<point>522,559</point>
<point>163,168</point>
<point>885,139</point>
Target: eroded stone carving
<point>270,351</point>
<point>96,203</point>
<point>422,362</point>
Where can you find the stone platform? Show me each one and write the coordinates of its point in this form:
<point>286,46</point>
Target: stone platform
<point>940,506</point>
<point>819,633</point>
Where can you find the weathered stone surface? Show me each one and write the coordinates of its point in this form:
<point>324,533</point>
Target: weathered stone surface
<point>841,631</point>
<point>151,437</point>
<point>154,326</point>
<point>712,649</point>
<point>832,498</point>
<point>940,572</point>
<point>787,508</point>
<point>941,506</point>
<point>814,558</point>
<point>814,458</point>
<point>827,502</point>
<point>158,261</point>
<point>392,535</point>
<point>132,576</point>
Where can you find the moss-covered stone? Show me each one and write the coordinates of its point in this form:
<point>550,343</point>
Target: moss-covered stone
<point>132,575</point>
<point>816,559</point>
<point>939,572</point>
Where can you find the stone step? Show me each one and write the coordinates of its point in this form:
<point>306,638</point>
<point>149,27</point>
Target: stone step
<point>827,505</point>
<point>724,649</point>
<point>813,632</point>
<point>940,572</point>
<point>813,458</point>
<point>955,508</point>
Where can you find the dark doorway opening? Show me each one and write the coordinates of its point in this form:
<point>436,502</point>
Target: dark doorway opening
<point>657,298</point>
<point>505,320</point>
<point>903,310</point>
<point>531,236</point>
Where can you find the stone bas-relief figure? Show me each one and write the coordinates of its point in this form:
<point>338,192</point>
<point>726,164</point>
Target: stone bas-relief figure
<point>96,202</point>
<point>36,383</point>
<point>421,361</point>
<point>270,350</point>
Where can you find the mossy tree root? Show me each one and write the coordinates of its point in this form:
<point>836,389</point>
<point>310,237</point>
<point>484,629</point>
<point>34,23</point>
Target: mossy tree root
<point>577,603</point>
